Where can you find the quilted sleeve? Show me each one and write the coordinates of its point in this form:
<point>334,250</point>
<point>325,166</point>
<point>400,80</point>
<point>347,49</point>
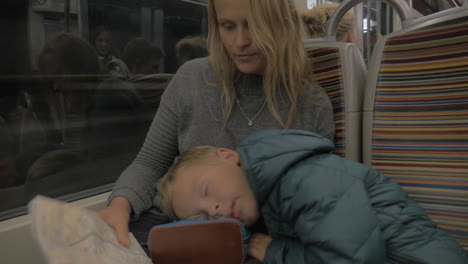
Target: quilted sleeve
<point>332,217</point>
<point>410,234</point>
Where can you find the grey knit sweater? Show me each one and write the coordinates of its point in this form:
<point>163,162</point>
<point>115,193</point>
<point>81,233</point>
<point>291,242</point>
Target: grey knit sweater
<point>190,114</point>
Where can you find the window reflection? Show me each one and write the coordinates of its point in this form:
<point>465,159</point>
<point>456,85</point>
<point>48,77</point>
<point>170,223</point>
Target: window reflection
<point>76,106</point>
<point>67,125</point>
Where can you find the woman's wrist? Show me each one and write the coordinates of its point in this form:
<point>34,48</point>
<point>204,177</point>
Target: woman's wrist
<point>121,203</point>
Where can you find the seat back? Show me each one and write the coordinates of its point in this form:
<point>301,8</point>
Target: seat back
<point>340,70</point>
<point>416,116</point>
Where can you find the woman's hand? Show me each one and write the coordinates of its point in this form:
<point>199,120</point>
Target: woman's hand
<point>258,244</point>
<point>117,216</point>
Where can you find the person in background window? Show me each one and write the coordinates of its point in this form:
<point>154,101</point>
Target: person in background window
<point>316,22</point>
<point>142,57</point>
<point>190,48</point>
<point>103,43</point>
<point>90,118</point>
<point>72,69</point>
<point>22,137</point>
<point>256,77</point>
<point>143,60</point>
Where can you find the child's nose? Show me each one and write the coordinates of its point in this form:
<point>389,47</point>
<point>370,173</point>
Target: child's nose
<point>215,212</point>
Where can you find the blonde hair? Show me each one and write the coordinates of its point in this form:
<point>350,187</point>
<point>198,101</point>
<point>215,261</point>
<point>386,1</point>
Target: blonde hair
<point>195,155</point>
<point>316,21</point>
<point>277,30</point>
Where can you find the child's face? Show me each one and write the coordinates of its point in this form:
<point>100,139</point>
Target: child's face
<point>103,43</point>
<point>215,189</point>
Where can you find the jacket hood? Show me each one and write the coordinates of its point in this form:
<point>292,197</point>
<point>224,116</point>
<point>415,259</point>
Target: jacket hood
<point>266,155</point>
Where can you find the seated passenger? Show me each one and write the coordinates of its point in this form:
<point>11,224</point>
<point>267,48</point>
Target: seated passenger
<point>316,22</point>
<point>71,66</point>
<point>316,207</point>
<point>143,59</point>
<point>102,40</point>
<point>88,119</point>
<point>190,48</point>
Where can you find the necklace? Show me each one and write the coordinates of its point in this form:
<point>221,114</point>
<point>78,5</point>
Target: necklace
<point>250,120</point>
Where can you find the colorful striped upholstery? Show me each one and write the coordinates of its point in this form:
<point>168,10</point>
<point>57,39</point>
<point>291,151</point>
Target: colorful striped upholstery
<point>340,70</point>
<point>420,120</point>
<point>328,72</point>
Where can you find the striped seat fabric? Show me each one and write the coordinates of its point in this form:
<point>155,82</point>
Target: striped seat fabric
<point>328,72</point>
<point>420,120</point>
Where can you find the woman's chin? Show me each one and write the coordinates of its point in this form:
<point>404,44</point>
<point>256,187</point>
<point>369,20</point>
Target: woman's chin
<point>250,68</point>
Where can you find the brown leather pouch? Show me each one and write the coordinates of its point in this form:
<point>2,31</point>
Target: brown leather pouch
<point>199,241</point>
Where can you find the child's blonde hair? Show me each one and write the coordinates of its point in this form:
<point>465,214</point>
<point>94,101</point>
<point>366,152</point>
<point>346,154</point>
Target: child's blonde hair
<point>195,155</point>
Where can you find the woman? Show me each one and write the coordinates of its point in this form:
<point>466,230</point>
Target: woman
<point>103,43</point>
<point>256,77</point>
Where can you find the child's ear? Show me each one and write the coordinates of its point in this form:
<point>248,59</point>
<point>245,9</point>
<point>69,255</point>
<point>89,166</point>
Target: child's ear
<point>229,155</point>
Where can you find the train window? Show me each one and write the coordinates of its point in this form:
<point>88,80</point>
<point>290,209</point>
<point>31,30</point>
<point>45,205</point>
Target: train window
<point>80,83</point>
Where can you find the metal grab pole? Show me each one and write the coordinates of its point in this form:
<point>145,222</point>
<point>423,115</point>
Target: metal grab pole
<point>399,5</point>
<point>66,13</point>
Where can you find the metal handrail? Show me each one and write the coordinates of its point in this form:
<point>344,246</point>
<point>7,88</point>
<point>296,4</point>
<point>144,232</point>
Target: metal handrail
<point>400,6</point>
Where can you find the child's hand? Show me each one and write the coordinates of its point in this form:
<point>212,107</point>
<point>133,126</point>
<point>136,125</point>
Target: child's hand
<point>258,244</point>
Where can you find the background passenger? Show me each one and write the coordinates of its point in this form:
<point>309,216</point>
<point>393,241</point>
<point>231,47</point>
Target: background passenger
<point>190,48</point>
<point>72,68</point>
<point>103,42</point>
<point>316,22</point>
<point>256,77</point>
<point>142,57</point>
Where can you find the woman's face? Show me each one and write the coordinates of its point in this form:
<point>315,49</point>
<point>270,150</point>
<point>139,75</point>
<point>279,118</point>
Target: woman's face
<point>103,43</point>
<point>235,35</point>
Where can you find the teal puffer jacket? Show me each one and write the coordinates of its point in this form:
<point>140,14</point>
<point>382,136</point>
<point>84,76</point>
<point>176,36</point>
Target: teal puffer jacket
<point>320,208</point>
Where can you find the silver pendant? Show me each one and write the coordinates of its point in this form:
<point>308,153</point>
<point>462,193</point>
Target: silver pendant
<point>250,123</point>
